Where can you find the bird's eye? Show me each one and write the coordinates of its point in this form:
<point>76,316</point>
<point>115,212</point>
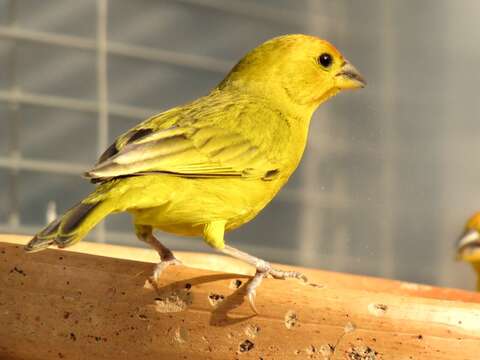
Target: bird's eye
<point>325,60</point>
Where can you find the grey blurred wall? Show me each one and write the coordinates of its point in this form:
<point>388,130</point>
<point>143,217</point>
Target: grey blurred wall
<point>390,174</point>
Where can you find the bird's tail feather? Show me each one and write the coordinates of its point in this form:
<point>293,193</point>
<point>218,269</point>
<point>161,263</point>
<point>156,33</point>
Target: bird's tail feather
<point>71,227</point>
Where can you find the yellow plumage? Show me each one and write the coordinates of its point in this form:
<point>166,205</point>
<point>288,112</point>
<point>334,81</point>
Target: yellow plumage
<point>211,165</point>
<point>468,245</point>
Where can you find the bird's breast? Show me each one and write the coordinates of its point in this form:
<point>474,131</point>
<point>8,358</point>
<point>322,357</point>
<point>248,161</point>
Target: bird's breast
<point>191,203</point>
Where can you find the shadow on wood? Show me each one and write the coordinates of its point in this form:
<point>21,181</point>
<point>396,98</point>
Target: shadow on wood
<point>71,305</point>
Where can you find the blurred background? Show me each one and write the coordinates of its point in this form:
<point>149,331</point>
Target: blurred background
<point>390,174</point>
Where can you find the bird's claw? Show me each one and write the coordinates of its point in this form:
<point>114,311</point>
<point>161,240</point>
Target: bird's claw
<point>252,295</point>
<point>252,288</point>
<point>280,274</point>
<point>162,265</point>
<point>263,270</point>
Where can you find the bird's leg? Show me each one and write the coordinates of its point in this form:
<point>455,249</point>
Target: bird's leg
<point>263,269</point>
<point>145,234</point>
<point>214,236</point>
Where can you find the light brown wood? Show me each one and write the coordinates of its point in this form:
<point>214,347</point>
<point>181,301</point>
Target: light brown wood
<point>95,302</point>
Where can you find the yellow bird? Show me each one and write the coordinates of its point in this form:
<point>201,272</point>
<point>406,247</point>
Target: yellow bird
<point>468,245</point>
<point>212,165</point>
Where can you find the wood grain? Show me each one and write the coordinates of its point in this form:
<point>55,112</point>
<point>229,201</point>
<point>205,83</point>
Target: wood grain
<point>97,303</point>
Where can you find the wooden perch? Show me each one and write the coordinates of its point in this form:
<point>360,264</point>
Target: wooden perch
<point>78,305</point>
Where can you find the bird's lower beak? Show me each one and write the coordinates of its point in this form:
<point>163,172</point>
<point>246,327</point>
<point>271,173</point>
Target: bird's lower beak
<point>349,78</point>
<point>468,245</point>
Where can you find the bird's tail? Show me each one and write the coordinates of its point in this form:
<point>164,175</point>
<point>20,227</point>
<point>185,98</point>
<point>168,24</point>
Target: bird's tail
<point>72,226</point>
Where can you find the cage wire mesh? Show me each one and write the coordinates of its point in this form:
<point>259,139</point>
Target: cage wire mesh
<point>387,178</point>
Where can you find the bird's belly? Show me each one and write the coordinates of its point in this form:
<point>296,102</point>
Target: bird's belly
<point>192,203</point>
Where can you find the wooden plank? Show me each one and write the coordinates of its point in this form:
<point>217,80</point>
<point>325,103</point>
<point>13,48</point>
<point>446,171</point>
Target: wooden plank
<point>79,305</point>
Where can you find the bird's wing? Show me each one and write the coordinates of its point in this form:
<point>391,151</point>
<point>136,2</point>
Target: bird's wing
<point>186,146</point>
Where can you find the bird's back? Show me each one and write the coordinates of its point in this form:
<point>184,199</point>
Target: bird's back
<point>232,153</point>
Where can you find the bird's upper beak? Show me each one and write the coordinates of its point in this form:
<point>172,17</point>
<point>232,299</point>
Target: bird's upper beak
<point>468,245</point>
<point>349,78</point>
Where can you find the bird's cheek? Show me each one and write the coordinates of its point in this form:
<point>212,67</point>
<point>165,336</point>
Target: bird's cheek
<point>325,91</point>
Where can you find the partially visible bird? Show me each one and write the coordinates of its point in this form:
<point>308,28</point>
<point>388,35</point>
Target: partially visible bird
<point>468,245</point>
<point>211,165</point>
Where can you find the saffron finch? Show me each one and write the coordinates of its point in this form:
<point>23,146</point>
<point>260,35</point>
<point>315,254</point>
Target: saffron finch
<point>468,245</point>
<point>210,166</point>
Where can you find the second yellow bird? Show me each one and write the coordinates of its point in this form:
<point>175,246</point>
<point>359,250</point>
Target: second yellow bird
<point>209,166</point>
<point>468,246</point>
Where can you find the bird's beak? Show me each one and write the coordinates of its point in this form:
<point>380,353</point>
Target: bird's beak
<point>468,245</point>
<point>349,78</point>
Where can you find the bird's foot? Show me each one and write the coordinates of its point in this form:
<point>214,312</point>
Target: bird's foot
<point>162,265</point>
<point>263,270</point>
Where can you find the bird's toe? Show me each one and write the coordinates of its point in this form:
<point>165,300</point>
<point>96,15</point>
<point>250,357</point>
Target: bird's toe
<point>162,265</point>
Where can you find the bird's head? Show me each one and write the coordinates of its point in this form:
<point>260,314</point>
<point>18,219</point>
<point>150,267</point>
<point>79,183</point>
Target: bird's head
<point>300,70</point>
<point>468,245</point>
